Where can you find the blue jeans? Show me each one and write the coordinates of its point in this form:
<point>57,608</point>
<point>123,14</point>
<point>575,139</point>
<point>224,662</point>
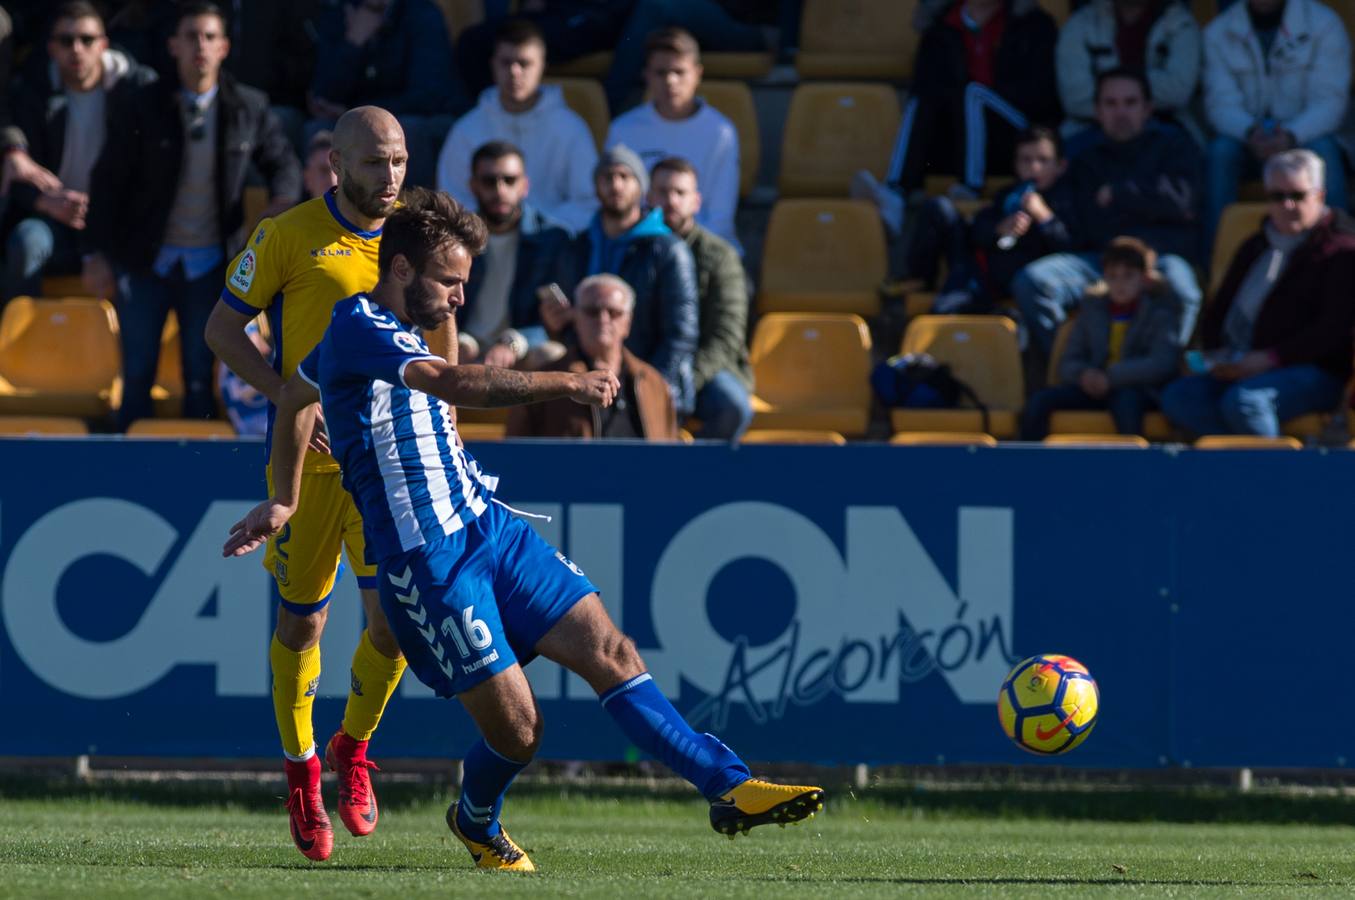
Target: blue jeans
<point>714,29</point>
<point>724,408</point>
<point>1201,404</point>
<point>1230,161</point>
<point>34,246</point>
<point>1126,404</point>
<point>144,301</point>
<point>1048,288</point>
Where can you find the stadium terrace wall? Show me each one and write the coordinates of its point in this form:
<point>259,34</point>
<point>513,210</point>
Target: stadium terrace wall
<point>818,604</point>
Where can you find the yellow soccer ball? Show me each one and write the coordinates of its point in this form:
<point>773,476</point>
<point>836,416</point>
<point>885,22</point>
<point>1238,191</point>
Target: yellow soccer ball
<point>1048,704</point>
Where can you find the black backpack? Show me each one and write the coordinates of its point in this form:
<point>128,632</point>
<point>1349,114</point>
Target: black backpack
<point>919,381</point>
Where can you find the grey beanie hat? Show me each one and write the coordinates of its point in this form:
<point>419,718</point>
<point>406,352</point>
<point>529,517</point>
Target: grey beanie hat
<point>621,155</point>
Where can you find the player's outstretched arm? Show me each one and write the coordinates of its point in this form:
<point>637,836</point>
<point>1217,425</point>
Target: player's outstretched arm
<point>298,411</point>
<point>489,386</point>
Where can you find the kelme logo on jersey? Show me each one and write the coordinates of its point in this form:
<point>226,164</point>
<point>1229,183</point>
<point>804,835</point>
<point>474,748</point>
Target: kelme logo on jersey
<point>280,571</point>
<point>243,276</point>
<point>569,563</point>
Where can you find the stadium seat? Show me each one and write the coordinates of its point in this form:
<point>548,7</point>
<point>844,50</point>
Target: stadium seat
<point>1247,442</point>
<point>461,14</point>
<point>791,436</point>
<point>209,429</point>
<point>938,185</point>
<point>585,97</point>
<point>812,372</point>
<point>943,439</point>
<point>590,65</point>
<point>469,415</point>
<point>857,39</point>
<point>823,256</point>
<point>1239,222</point>
<point>1060,10</point>
<point>735,100</point>
<point>59,357</point>
<point>1156,427</point>
<point>1127,441</point>
<point>982,351</point>
<point>23,426</point>
<point>481,431</point>
<point>167,392</point>
<point>64,286</point>
<point>255,202</point>
<point>834,130</point>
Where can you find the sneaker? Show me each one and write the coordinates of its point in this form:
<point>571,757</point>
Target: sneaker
<point>757,802</point>
<point>499,853</point>
<point>357,800</point>
<point>311,831</point>
<point>888,201</point>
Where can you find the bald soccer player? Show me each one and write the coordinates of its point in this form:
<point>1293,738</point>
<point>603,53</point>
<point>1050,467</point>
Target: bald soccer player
<point>294,269</point>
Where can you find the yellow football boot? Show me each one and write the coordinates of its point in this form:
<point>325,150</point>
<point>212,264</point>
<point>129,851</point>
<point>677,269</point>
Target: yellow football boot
<point>757,802</point>
<point>500,853</point>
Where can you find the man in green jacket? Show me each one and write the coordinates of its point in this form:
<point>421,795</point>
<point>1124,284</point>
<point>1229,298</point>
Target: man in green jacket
<point>724,378</point>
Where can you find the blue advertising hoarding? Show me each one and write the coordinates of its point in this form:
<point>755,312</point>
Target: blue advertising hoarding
<point>814,604</point>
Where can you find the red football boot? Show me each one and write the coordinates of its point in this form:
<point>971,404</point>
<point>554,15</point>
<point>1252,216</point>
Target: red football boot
<point>357,801</point>
<point>311,831</point>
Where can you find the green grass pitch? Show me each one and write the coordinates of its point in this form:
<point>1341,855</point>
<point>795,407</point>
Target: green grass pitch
<point>609,843</point>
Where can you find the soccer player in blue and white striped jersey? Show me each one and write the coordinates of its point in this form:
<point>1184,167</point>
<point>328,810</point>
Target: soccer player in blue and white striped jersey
<point>471,591</point>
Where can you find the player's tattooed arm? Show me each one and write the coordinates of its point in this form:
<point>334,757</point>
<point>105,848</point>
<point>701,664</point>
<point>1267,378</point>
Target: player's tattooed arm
<point>490,386</point>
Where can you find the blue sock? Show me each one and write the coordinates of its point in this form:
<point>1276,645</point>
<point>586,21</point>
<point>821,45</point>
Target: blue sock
<point>485,776</point>
<point>653,725</point>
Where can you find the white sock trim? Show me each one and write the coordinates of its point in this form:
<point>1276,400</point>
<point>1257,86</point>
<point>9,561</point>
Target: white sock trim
<point>303,757</point>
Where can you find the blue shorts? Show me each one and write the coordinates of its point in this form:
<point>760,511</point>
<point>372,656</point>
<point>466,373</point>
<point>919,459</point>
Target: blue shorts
<point>476,602</point>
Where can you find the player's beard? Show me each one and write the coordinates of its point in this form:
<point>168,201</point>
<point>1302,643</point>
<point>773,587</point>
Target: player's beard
<point>421,307</point>
<point>366,201</point>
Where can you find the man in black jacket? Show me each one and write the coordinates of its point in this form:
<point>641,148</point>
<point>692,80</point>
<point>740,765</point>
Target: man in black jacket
<point>640,248</point>
<point>1140,179</point>
<point>166,208</point>
<point>60,113</point>
<point>985,71</point>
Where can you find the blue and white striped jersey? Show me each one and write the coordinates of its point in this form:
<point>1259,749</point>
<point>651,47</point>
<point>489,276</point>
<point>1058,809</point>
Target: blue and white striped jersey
<point>396,446</point>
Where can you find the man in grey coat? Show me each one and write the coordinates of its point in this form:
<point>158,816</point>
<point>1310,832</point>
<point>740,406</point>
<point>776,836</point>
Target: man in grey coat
<point>1124,345</point>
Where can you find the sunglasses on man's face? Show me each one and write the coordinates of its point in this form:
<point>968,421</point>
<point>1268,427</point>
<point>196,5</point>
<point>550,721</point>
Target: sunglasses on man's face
<point>1290,196</point>
<point>69,40</point>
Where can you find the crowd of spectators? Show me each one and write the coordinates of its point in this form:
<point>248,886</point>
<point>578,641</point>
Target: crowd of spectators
<point>129,135</point>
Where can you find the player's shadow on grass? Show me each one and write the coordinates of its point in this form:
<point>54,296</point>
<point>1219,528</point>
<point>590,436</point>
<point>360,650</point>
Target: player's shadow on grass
<point>1097,882</point>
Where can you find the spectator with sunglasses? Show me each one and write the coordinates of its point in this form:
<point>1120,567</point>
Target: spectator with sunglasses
<point>166,210</point>
<point>500,323</point>
<point>1275,343</point>
<point>60,118</point>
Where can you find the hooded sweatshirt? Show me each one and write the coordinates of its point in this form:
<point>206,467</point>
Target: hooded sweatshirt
<point>558,150</point>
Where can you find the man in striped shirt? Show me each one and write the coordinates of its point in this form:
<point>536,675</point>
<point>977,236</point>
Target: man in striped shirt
<point>471,592</point>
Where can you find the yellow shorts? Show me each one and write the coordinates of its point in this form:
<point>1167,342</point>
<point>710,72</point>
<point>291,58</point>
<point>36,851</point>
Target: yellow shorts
<point>304,557</point>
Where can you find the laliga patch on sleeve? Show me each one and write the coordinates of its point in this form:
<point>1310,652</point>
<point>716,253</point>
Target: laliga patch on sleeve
<point>408,342</point>
<point>243,276</point>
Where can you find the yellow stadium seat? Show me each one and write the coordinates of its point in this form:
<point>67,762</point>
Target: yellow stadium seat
<point>938,185</point>
<point>481,431</point>
<point>1156,426</point>
<point>585,97</point>
<point>1131,441</point>
<point>735,100</point>
<point>167,392</point>
<point>1239,222</point>
<point>23,426</point>
<point>812,372</point>
<point>591,65</point>
<point>461,14</point>
<point>982,351</point>
<point>943,439</point>
<point>857,39</point>
<point>65,286</point>
<point>834,130</point>
<point>59,357</point>
<point>469,415</point>
<point>823,256</point>
<point>209,429</point>
<point>1247,442</point>
<point>255,202</point>
<point>791,436</point>
<point>743,66</point>
<point>1059,10</point>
